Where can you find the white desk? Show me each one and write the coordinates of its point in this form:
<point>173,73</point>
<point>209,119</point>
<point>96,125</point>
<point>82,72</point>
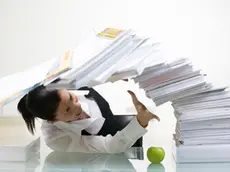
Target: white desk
<point>80,162</point>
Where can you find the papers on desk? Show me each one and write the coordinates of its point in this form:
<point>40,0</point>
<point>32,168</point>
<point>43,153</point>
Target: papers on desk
<point>110,55</point>
<point>203,118</point>
<point>202,109</point>
<point>208,153</point>
<point>203,126</point>
<point>100,59</point>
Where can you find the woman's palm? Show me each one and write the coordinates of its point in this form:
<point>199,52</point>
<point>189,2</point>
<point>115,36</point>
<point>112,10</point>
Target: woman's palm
<point>143,114</point>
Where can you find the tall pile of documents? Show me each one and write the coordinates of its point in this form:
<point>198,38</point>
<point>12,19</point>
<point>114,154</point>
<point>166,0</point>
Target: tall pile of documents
<point>202,109</point>
<point>203,126</point>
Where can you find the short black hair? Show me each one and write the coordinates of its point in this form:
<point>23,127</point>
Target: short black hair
<point>39,103</point>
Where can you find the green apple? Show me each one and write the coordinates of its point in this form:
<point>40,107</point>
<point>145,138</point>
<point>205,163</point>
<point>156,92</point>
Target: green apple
<point>155,154</point>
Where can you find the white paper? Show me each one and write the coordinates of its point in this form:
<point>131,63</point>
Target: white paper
<point>115,64</point>
<point>93,52</point>
<point>179,86</point>
<point>20,81</point>
<point>120,100</point>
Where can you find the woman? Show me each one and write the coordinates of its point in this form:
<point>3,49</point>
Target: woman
<point>82,123</point>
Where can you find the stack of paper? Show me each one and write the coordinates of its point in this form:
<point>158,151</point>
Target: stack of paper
<point>100,59</point>
<point>203,124</point>
<point>202,109</point>
<point>98,54</point>
<point>170,81</point>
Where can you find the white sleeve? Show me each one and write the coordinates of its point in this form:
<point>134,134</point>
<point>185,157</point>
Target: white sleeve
<point>118,143</point>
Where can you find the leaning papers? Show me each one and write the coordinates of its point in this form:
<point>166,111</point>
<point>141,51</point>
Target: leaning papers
<point>18,84</point>
<point>94,52</point>
<point>77,67</point>
<point>101,59</point>
<point>59,67</point>
<point>109,65</point>
<point>138,60</point>
<point>127,58</point>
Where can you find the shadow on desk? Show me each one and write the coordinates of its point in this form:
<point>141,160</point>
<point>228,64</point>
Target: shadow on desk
<point>72,161</point>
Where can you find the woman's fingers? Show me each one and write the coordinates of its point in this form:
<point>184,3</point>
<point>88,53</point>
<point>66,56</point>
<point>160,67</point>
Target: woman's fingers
<point>155,117</point>
<point>139,106</point>
<point>150,115</point>
<point>134,98</point>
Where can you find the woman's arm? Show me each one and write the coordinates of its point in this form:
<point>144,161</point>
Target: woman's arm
<point>118,143</point>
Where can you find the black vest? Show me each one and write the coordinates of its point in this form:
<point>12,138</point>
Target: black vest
<point>112,123</point>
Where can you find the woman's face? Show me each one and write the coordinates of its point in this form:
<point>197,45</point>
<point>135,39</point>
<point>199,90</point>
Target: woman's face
<point>69,109</point>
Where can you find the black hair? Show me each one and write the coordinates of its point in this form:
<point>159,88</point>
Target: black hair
<point>39,103</point>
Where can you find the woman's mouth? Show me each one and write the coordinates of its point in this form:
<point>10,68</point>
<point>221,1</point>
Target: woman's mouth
<point>79,113</point>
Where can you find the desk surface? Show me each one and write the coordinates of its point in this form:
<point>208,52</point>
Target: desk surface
<point>133,160</point>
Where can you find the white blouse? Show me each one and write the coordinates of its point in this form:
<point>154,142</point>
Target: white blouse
<point>61,136</point>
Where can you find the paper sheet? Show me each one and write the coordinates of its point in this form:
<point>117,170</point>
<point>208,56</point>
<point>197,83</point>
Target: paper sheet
<point>16,83</point>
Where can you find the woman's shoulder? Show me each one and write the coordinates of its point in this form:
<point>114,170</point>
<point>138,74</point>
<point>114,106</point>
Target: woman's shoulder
<point>48,126</point>
<point>50,131</point>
